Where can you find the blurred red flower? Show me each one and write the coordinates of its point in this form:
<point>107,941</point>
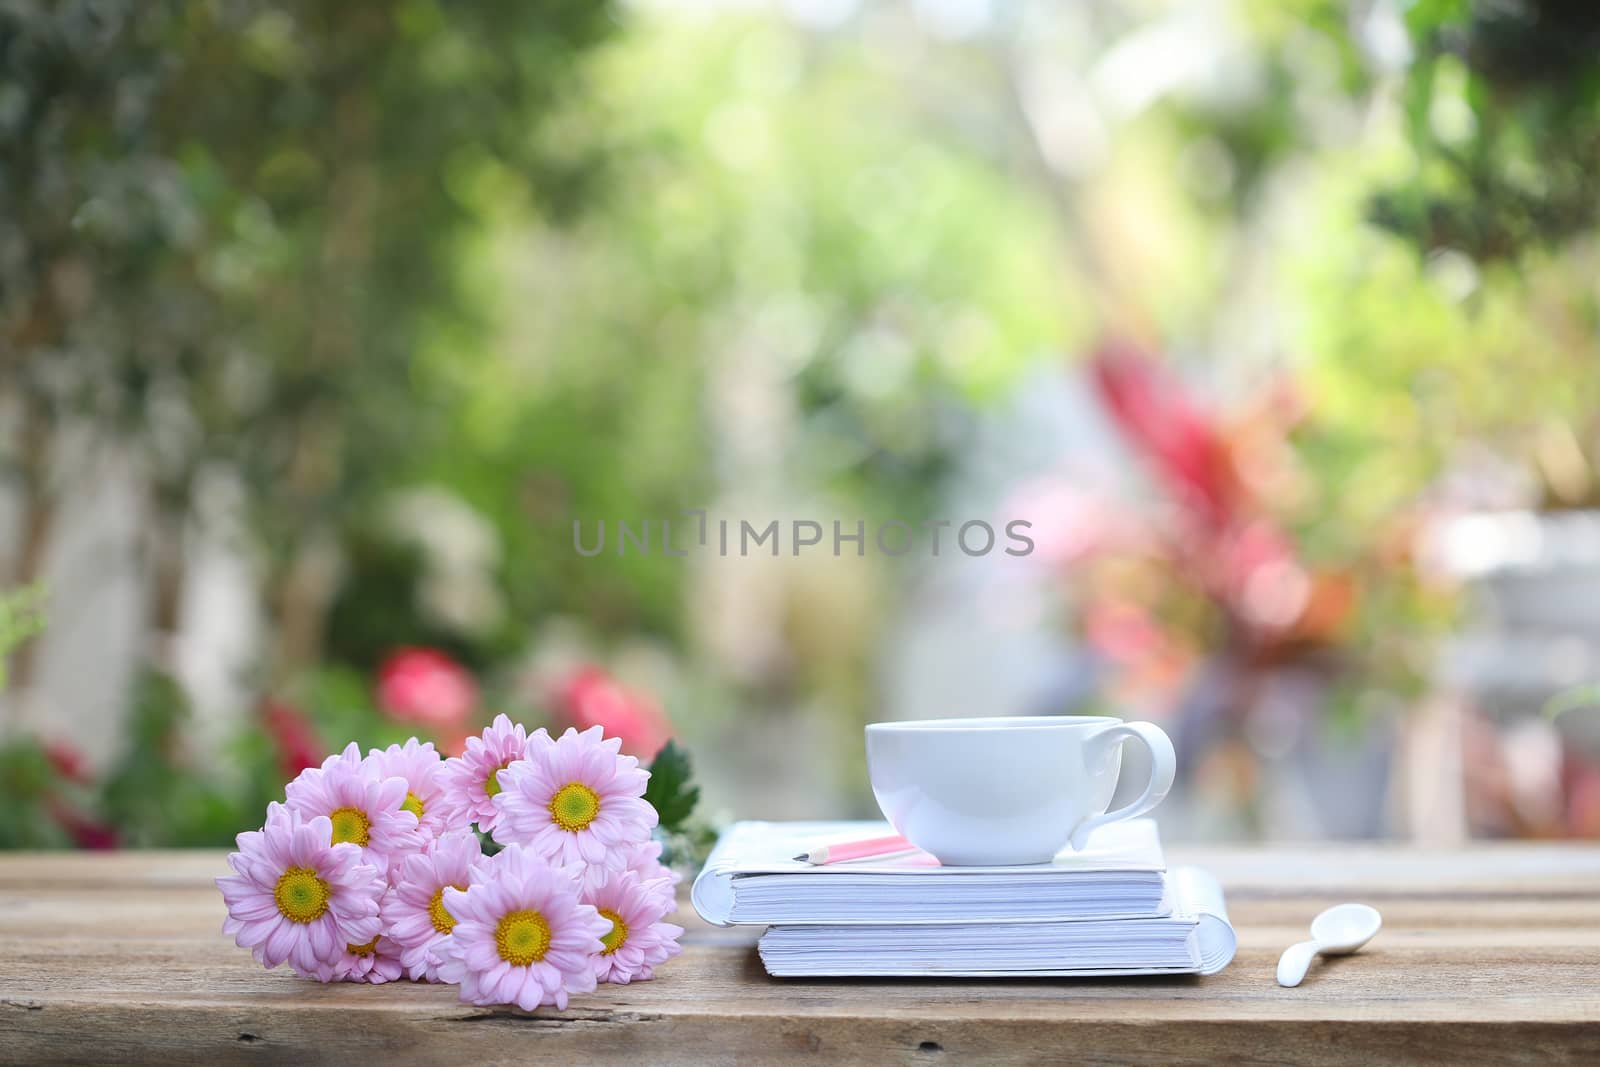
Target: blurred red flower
<point>1185,446</point>
<point>293,736</point>
<point>423,685</point>
<point>1228,546</point>
<point>84,831</point>
<point>453,742</point>
<point>1583,799</point>
<point>591,697</point>
<point>68,762</point>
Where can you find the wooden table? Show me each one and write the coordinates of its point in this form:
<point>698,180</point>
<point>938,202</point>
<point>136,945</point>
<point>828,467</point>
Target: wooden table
<point>1487,955</point>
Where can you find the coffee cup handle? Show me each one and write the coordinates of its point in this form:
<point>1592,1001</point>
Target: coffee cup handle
<point>1163,767</point>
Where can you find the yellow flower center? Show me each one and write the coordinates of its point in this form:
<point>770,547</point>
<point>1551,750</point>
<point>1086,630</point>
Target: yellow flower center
<point>574,806</point>
<point>363,950</point>
<point>350,824</point>
<point>618,935</point>
<point>301,895</point>
<point>412,803</point>
<point>441,918</point>
<point>523,937</point>
<point>491,784</point>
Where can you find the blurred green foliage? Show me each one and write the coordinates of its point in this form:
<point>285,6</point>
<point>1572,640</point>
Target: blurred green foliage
<point>22,616</point>
<point>231,226</point>
<point>156,795</point>
<point>1501,105</point>
<point>27,778</point>
<point>1472,340</point>
<point>560,264</point>
<point>775,216</point>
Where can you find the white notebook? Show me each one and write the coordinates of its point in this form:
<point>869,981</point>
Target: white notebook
<point>751,877</point>
<point>1195,939</point>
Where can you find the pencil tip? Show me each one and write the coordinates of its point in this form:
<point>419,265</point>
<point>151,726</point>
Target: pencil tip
<point>804,857</point>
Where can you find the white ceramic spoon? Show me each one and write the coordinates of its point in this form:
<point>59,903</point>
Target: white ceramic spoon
<point>1339,931</point>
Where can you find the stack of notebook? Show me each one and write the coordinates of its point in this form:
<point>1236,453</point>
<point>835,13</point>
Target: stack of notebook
<point>1112,908</point>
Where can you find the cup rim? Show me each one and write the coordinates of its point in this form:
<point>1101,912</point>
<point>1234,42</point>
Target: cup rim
<point>991,724</point>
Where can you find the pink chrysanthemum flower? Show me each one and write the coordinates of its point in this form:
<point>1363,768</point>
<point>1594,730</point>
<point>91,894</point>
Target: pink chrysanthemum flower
<point>414,915</point>
<point>364,809</point>
<point>643,859</point>
<point>422,768</point>
<point>296,895</point>
<point>638,941</point>
<point>377,961</point>
<point>521,936</point>
<point>576,801</point>
<point>471,780</point>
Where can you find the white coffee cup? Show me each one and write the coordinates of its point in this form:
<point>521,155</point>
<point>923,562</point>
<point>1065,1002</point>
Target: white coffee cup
<point>994,792</point>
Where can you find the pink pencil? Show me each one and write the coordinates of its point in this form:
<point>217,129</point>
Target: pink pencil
<point>845,851</point>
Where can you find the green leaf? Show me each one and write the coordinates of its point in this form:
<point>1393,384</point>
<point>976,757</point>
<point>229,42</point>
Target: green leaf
<point>21,617</point>
<point>486,840</point>
<point>672,790</point>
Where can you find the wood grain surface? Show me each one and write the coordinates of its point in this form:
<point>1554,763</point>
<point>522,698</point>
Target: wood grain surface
<point>1490,954</point>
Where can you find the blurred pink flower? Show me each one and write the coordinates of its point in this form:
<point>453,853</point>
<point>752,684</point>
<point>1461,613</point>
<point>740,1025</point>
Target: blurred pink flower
<point>423,685</point>
<point>589,696</point>
<point>1261,576</point>
<point>1121,631</point>
<point>293,736</point>
<point>1071,523</point>
<point>453,742</point>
